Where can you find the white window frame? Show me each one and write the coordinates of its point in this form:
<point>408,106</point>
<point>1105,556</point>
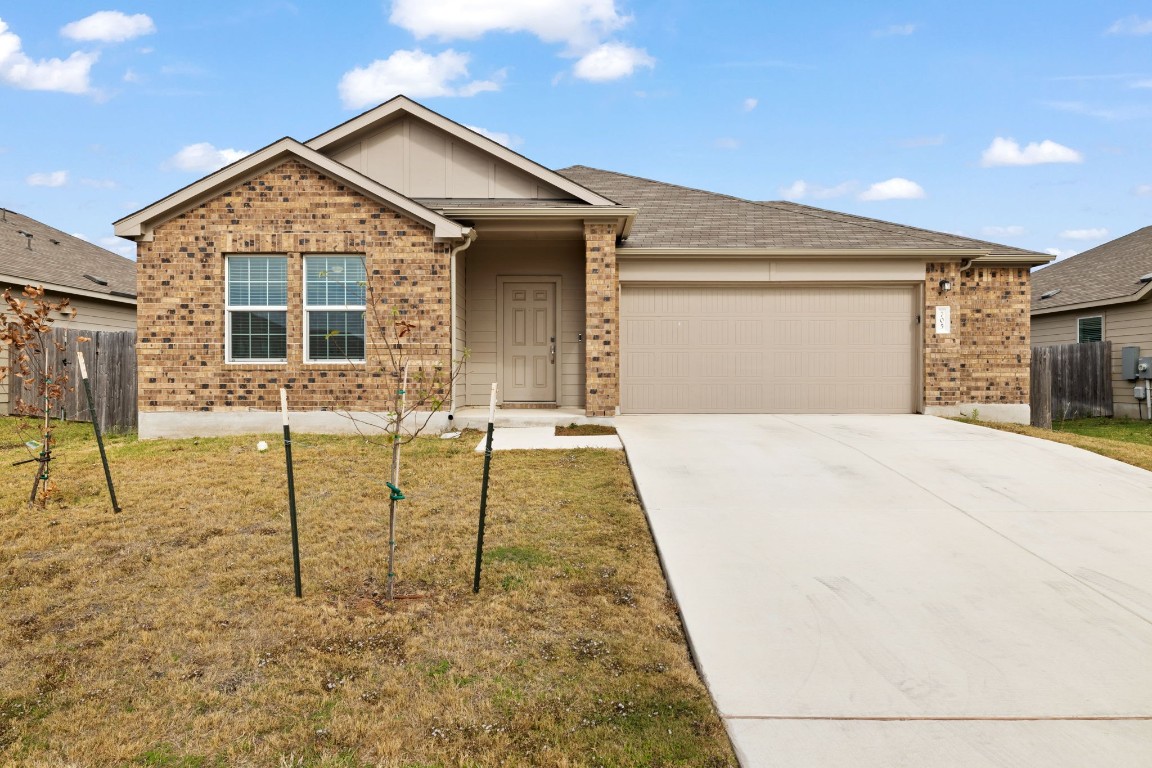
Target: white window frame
<point>1089,317</point>
<point>229,308</point>
<point>308,310</point>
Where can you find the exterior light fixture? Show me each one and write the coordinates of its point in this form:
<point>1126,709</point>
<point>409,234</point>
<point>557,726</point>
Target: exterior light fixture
<point>945,285</point>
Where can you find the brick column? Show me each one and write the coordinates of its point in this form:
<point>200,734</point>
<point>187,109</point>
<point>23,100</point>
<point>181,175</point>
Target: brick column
<point>602,311</point>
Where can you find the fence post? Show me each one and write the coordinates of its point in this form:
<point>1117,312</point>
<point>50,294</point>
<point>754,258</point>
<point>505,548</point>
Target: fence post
<point>1040,395</point>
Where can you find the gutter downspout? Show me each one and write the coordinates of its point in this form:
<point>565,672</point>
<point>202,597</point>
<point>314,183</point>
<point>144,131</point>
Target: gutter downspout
<point>456,250</point>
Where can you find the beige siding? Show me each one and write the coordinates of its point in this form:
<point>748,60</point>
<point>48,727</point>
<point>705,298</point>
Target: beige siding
<point>419,160</point>
<point>459,325</point>
<point>91,315</point>
<point>1124,325</point>
<point>488,260</point>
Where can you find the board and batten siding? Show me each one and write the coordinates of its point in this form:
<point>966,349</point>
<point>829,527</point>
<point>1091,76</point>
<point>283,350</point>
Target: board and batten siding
<point>1125,325</point>
<point>91,315</point>
<point>489,260</point>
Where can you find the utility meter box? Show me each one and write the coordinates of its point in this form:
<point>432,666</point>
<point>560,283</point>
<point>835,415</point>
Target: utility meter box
<point>1129,359</point>
<point>1144,368</point>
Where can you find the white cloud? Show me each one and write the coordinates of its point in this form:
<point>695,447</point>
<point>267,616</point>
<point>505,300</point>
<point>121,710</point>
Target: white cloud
<point>65,75</point>
<point>412,73</point>
<point>1143,190</point>
<point>1094,233</point>
<point>800,189</point>
<point>896,30</point>
<point>109,27</point>
<point>118,245</point>
<point>130,76</point>
<point>1013,230</point>
<point>893,189</point>
<point>611,61</point>
<point>578,23</point>
<point>750,104</point>
<point>53,179</point>
<point>1008,152</point>
<point>1132,25</point>
<point>203,157</point>
<point>1060,253</point>
<point>499,137</point>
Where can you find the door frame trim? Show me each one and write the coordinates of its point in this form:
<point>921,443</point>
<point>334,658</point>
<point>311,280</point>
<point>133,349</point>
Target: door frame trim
<point>501,280</point>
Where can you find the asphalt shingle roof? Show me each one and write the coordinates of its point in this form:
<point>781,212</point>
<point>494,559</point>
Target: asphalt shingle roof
<point>672,216</point>
<point>59,258</point>
<point>1109,271</point>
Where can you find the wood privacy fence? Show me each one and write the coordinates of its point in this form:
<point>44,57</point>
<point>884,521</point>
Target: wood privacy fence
<point>1071,381</point>
<point>111,360</point>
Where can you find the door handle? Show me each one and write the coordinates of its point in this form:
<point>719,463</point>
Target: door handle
<point>552,350</point>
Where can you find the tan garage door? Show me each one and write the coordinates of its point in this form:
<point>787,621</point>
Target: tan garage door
<point>768,349</point>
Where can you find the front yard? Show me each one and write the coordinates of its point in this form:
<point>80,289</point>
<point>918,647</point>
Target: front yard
<point>168,635</point>
<point>1126,440</point>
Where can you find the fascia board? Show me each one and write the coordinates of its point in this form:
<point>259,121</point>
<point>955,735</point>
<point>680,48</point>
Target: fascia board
<point>65,289</point>
<point>401,104</point>
<point>138,226</point>
<point>805,253</point>
<point>1080,306</point>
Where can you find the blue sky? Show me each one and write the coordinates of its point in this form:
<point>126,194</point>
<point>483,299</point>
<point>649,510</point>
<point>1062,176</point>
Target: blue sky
<point>1023,123</point>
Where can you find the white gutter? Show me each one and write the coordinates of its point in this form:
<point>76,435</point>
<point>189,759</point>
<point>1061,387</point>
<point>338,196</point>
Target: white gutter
<point>469,238</point>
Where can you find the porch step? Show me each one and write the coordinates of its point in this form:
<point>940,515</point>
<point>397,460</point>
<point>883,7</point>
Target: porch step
<point>477,418</point>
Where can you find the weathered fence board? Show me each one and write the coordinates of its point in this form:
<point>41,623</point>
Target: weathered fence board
<point>1071,381</point>
<point>111,361</point>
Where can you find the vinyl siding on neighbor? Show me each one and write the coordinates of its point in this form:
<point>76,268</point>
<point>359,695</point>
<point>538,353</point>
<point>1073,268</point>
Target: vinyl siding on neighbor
<point>1124,325</point>
<point>486,261</point>
<point>91,315</point>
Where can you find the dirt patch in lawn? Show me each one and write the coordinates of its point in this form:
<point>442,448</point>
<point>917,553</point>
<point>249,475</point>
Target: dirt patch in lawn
<point>169,635</point>
<point>581,430</point>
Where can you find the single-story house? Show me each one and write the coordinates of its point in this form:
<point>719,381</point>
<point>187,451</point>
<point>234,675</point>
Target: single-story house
<point>100,285</point>
<point>1100,294</point>
<point>578,288</point>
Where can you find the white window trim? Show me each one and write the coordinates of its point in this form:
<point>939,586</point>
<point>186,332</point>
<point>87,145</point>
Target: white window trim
<point>229,308</point>
<point>308,310</point>
<point>1103,334</point>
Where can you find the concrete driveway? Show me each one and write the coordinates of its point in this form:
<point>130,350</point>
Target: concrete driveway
<point>886,591</point>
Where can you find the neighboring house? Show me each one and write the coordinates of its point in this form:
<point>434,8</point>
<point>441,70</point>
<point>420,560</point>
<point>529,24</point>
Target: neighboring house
<point>1100,294</point>
<point>99,285</point>
<point>577,288</point>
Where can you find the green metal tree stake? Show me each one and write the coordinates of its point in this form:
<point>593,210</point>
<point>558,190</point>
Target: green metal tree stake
<point>484,491</point>
<point>96,429</point>
<point>291,492</point>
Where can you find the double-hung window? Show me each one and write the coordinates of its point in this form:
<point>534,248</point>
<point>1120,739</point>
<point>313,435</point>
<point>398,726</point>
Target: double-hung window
<point>257,308</point>
<point>1089,329</point>
<point>334,303</point>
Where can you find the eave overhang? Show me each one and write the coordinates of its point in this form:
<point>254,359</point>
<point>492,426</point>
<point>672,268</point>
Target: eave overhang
<point>67,290</point>
<point>1083,305</point>
<point>139,225</point>
<point>613,214</point>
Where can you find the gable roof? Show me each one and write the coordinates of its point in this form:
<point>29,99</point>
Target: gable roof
<point>402,105</point>
<point>59,261</point>
<point>1107,274</point>
<point>676,217</point>
<point>139,225</point>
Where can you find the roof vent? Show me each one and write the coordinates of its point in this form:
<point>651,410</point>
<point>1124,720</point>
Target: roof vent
<point>1049,294</point>
<point>123,294</point>
<point>1146,278</point>
<point>97,280</point>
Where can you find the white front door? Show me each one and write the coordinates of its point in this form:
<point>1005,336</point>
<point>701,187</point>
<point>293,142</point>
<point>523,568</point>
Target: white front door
<point>528,343</point>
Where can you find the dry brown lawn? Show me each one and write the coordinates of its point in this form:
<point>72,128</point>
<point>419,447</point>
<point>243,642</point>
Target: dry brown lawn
<point>168,635</point>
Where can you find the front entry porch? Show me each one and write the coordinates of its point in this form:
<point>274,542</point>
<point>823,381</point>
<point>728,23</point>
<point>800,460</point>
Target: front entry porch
<point>474,417</point>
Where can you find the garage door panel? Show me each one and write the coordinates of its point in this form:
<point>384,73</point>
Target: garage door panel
<point>768,349</point>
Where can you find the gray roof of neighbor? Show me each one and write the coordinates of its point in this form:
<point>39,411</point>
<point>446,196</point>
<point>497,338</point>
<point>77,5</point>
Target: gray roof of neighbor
<point>672,216</point>
<point>60,259</point>
<point>1109,271</point>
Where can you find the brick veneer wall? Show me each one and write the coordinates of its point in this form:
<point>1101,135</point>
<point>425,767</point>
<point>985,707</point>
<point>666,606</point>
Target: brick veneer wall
<point>986,357</point>
<point>294,210</point>
<point>602,339</point>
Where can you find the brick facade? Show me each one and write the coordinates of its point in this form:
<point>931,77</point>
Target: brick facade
<point>986,357</point>
<point>602,338</point>
<point>293,210</point>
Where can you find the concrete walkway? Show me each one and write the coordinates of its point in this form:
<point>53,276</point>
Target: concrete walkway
<point>886,591</point>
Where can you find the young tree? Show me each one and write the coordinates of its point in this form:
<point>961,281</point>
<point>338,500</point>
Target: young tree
<point>26,336</point>
<point>419,371</point>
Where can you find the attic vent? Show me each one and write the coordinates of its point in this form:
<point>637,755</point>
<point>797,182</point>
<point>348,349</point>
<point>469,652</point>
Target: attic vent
<point>1049,294</point>
<point>97,280</point>
<point>1146,278</point>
